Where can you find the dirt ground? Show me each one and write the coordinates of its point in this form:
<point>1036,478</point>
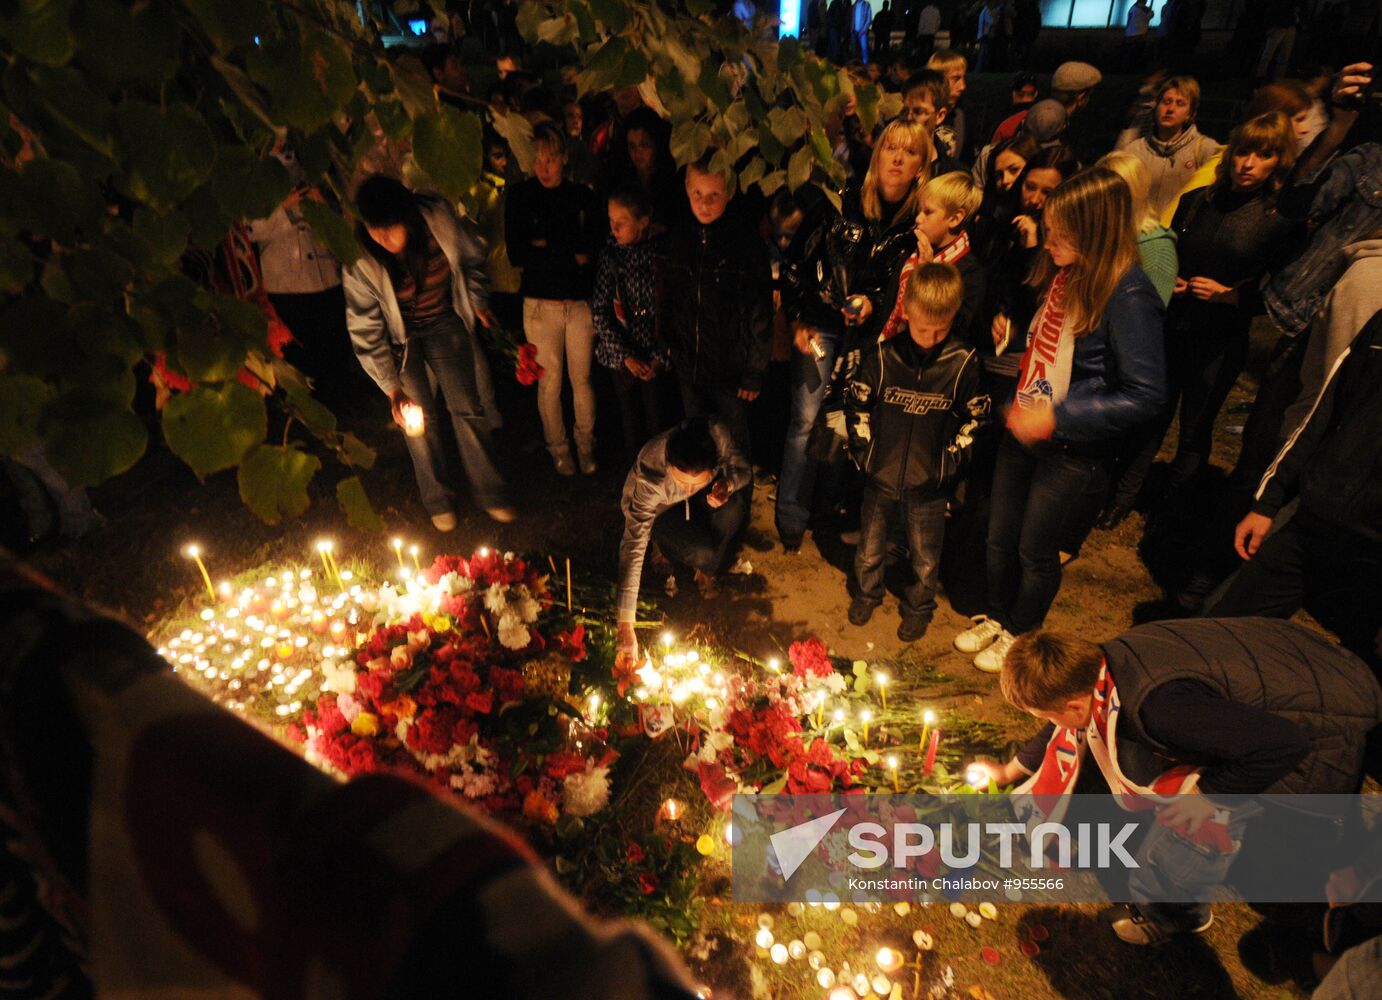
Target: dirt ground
<point>133,566</point>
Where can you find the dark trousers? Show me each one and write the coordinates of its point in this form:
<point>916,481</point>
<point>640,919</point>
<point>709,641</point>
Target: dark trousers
<point>1332,572</point>
<point>443,348</point>
<point>924,523</point>
<point>644,409</point>
<point>722,402</point>
<point>1037,494</point>
<point>700,536</point>
<point>1262,433</point>
<point>321,348</point>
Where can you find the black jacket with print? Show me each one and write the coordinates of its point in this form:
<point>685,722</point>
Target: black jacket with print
<point>912,414</point>
<point>719,303</point>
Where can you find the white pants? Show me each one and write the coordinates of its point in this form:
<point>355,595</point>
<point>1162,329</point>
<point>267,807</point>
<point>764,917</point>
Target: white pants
<point>563,332</point>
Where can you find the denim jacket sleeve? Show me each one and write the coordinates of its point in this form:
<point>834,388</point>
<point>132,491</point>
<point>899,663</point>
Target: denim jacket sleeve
<point>1128,384</point>
<point>369,336</point>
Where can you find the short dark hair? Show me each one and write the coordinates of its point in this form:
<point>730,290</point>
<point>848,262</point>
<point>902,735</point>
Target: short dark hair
<point>634,199</point>
<point>933,82</point>
<point>383,201</point>
<point>549,135</point>
<point>692,448</point>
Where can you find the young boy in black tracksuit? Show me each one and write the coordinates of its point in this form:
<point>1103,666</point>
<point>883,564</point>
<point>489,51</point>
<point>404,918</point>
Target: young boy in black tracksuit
<point>912,408</point>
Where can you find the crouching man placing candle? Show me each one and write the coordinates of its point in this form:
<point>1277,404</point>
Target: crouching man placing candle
<point>1189,710</point>
<point>688,495</point>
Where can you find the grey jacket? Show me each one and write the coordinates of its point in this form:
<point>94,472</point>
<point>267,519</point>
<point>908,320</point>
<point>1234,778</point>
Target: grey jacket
<point>377,332</point>
<point>1170,165</point>
<point>649,490</point>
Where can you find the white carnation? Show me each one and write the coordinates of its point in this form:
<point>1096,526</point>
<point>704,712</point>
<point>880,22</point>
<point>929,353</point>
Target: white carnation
<point>587,792</point>
<point>495,599</point>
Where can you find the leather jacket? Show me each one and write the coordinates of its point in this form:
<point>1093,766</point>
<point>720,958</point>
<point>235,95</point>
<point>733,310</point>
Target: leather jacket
<point>719,303</point>
<point>912,414</point>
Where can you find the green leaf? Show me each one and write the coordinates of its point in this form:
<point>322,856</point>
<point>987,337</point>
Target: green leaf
<point>66,98</point>
<point>248,186</point>
<point>769,184</point>
<point>613,14</point>
<point>446,144</point>
<point>690,139</point>
<point>314,414</point>
<point>774,787</point>
<point>713,85</point>
<point>585,23</point>
<point>27,341</point>
<point>23,399</point>
<point>350,494</point>
<point>413,85</point>
<point>50,198</point>
<point>230,23</point>
<point>16,265</point>
<point>100,273</point>
<point>91,440</point>
<point>393,119</point>
<point>634,71</point>
<point>165,235</point>
<point>820,145</point>
<point>169,152</point>
<point>206,354</point>
<point>332,230</point>
<point>752,174</point>
<point>208,221</point>
<point>799,167</point>
<point>127,42</point>
<point>273,481</point>
<point>356,452</point>
<point>609,56</point>
<point>39,30</point>
<point>213,429</point>
<point>308,79</point>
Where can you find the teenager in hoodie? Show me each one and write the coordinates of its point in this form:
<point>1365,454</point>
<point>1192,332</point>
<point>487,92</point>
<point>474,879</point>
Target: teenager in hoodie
<point>1172,148</point>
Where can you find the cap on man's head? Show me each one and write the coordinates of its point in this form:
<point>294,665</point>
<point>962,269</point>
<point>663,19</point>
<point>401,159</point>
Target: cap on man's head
<point>1046,121</point>
<point>1075,76</point>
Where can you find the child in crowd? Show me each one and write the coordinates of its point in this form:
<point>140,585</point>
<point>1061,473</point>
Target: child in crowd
<point>719,304</point>
<point>947,203</point>
<point>953,66</point>
<point>912,408</point>
<point>1177,715</point>
<point>627,310</point>
<point>1094,369</point>
<point>925,99</point>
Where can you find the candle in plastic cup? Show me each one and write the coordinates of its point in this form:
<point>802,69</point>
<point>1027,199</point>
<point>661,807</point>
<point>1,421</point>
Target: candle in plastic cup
<point>414,425</point>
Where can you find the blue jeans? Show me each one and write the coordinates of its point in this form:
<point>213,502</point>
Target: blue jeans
<point>1174,870</point>
<point>924,521</point>
<point>444,348</point>
<point>796,480</point>
<point>1037,495</point>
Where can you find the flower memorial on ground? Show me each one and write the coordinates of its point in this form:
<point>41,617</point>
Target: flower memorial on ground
<point>494,681</point>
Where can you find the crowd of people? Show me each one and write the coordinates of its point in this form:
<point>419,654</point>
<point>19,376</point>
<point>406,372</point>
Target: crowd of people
<point>987,336</point>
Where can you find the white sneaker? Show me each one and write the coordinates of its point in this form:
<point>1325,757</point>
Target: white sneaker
<point>982,633</point>
<point>444,522</point>
<point>990,661</point>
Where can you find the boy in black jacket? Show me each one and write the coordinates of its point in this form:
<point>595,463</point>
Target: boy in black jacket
<point>912,408</point>
<point>1176,714</point>
<point>719,305</point>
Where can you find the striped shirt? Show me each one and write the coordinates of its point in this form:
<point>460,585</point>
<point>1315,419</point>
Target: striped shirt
<point>433,298</point>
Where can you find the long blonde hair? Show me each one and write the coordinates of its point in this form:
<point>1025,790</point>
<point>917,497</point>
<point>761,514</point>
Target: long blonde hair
<point>1093,210</point>
<point>913,135</point>
<point>1139,181</point>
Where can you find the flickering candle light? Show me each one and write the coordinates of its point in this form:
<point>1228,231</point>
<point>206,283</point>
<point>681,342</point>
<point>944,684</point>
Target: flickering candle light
<point>194,552</point>
<point>414,423</point>
<point>568,583</point>
<point>774,664</point>
<point>927,719</point>
<point>866,717</point>
<point>413,551</point>
<point>883,690</point>
<point>398,552</point>
<point>931,752</point>
<point>976,776</point>
<point>889,959</point>
<point>322,546</point>
<point>671,810</point>
<point>892,766</point>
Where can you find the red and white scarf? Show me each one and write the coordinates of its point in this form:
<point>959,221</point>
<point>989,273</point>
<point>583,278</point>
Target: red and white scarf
<point>1049,787</point>
<point>1045,376</point>
<point>948,254</point>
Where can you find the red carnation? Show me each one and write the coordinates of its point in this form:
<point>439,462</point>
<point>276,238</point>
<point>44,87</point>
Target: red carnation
<point>810,659</point>
<point>634,853</point>
<point>480,701</point>
<point>559,765</point>
<point>647,883</point>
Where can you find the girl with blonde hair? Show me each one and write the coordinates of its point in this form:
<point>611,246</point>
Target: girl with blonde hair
<point>1093,370</point>
<point>1156,244</point>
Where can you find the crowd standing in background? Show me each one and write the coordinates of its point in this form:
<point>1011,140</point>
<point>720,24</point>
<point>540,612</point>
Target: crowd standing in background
<point>981,343</point>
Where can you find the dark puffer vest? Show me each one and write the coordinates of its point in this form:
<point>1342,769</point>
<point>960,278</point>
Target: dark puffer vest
<point>1269,664</point>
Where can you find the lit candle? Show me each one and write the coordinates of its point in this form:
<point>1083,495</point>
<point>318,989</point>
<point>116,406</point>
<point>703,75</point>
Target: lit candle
<point>414,424</point>
<point>976,776</point>
<point>820,709</point>
<point>398,552</point>
<point>774,664</point>
<point>931,752</point>
<point>194,552</point>
<point>892,766</point>
<point>866,717</point>
<point>568,583</point>
<point>889,959</point>
<point>323,550</point>
<point>413,551</point>
<point>883,690</point>
<point>927,718</point>
<point>839,716</point>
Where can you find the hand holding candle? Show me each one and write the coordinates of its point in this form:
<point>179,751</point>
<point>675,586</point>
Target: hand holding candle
<point>414,423</point>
